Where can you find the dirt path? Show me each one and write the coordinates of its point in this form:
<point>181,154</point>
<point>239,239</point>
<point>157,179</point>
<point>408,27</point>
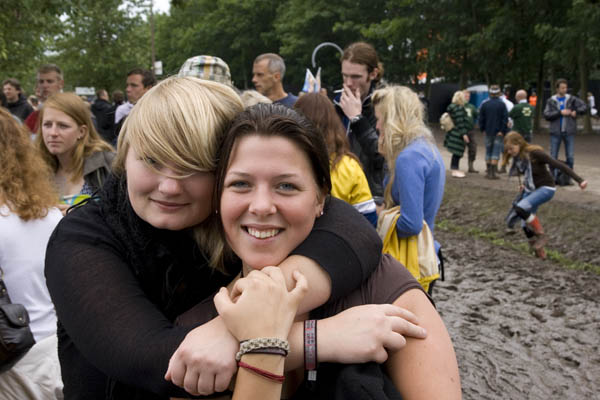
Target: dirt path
<point>523,328</point>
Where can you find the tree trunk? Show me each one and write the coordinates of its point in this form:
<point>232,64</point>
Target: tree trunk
<point>540,95</point>
<point>583,84</point>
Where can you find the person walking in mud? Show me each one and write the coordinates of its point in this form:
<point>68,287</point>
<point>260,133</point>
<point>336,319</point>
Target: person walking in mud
<point>537,187</point>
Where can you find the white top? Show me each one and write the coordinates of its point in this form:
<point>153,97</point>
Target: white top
<point>22,254</point>
<point>122,111</point>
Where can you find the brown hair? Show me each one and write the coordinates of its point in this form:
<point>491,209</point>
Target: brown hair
<point>365,54</point>
<point>273,120</point>
<point>321,112</point>
<point>12,82</point>
<point>26,186</point>
<point>74,107</point>
<point>44,69</point>
<point>515,138</point>
<point>559,81</point>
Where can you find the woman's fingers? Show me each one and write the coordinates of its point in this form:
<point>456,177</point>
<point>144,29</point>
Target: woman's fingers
<point>222,300</point>
<point>301,287</point>
<point>175,372</point>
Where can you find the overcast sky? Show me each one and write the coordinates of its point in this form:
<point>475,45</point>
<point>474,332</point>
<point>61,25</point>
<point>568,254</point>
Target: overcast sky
<point>162,6</point>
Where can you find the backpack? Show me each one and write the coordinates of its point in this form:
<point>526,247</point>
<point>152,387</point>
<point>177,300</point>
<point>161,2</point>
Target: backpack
<point>446,122</point>
<point>416,253</point>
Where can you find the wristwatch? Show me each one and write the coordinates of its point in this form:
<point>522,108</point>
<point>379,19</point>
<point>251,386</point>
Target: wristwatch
<point>355,119</point>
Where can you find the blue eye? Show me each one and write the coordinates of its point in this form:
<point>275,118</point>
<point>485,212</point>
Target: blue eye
<point>238,184</point>
<point>286,186</point>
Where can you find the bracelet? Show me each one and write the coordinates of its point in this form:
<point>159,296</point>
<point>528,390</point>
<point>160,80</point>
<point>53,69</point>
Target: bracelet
<point>265,374</point>
<point>252,345</point>
<point>269,350</point>
<point>310,349</point>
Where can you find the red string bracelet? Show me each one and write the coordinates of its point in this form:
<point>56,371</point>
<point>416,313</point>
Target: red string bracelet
<point>265,374</point>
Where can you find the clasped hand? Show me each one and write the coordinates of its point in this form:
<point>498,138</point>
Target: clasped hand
<point>259,306</point>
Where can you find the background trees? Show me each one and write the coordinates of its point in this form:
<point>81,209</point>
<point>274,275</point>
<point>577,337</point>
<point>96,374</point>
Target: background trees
<point>521,43</point>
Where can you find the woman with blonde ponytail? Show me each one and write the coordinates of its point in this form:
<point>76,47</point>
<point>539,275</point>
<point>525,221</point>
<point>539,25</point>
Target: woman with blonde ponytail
<point>416,169</point>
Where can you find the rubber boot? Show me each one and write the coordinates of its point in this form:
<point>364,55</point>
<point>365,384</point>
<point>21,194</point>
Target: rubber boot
<point>540,253</point>
<point>502,169</point>
<point>471,169</point>
<point>537,228</point>
<point>494,168</point>
<point>488,171</point>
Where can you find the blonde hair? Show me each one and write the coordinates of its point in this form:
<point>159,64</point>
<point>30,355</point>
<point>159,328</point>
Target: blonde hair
<point>401,114</point>
<point>25,178</point>
<point>459,98</point>
<point>181,122</point>
<point>90,143</point>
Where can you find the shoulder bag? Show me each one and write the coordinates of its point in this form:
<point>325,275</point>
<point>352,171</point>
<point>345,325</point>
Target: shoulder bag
<point>15,335</point>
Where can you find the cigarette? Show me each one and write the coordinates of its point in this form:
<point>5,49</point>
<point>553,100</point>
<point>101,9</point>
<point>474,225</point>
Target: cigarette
<point>338,91</point>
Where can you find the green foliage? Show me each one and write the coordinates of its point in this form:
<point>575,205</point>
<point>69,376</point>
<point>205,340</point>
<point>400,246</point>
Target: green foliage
<point>460,40</point>
<point>100,43</point>
<point>23,26</point>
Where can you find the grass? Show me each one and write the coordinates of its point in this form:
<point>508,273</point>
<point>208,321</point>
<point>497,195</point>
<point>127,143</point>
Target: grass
<point>496,239</point>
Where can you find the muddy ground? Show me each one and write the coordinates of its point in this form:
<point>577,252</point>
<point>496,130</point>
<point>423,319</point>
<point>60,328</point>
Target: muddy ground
<point>522,328</point>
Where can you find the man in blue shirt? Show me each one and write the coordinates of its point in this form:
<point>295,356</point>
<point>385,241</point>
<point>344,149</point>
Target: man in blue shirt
<point>267,76</point>
<point>562,110</point>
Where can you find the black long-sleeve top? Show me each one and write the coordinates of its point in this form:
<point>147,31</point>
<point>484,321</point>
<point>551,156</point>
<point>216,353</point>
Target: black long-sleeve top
<point>118,284</point>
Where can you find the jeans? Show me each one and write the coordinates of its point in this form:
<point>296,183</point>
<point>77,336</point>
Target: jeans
<point>494,145</point>
<point>569,140</point>
<point>532,200</point>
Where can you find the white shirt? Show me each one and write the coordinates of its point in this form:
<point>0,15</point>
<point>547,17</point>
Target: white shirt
<point>22,255</point>
<point>122,111</point>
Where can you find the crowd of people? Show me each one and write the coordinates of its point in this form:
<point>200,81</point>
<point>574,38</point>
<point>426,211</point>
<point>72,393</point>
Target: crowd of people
<point>508,130</point>
<point>189,239</point>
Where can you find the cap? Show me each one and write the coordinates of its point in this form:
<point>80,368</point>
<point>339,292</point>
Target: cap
<point>207,67</point>
<point>494,89</point>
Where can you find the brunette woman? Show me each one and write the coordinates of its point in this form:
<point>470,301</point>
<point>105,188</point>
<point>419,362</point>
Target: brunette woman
<point>531,162</point>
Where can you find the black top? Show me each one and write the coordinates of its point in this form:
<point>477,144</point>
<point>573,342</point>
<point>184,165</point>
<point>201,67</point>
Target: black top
<point>539,171</point>
<point>363,139</point>
<point>118,283</point>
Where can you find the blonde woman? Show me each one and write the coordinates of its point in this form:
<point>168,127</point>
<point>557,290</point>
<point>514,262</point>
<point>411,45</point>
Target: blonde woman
<point>457,137</point>
<point>27,219</point>
<point>69,143</point>
<point>417,174</point>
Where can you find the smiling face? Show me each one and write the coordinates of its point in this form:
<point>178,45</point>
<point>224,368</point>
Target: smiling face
<point>270,199</point>
<point>60,132</point>
<point>164,200</point>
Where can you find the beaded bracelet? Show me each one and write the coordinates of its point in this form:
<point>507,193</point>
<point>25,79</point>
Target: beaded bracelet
<point>265,374</point>
<point>260,344</point>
